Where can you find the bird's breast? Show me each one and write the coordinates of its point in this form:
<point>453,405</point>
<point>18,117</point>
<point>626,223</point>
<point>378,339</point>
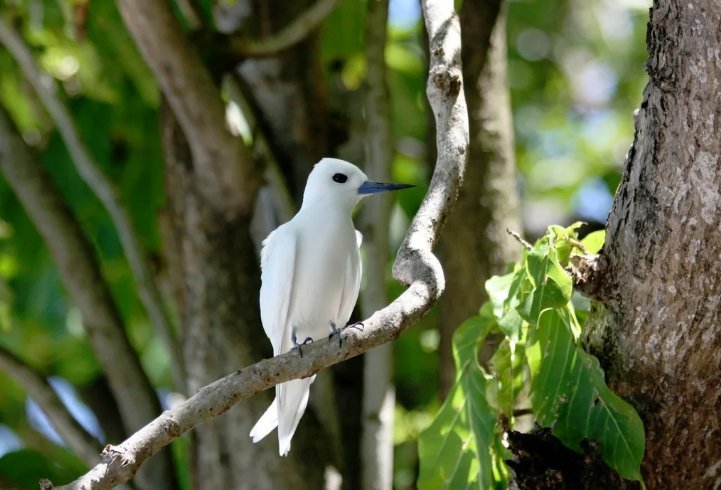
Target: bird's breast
<point>326,255</point>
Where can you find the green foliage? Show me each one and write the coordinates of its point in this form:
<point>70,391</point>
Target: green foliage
<point>531,309</point>
<point>456,450</point>
<point>23,468</point>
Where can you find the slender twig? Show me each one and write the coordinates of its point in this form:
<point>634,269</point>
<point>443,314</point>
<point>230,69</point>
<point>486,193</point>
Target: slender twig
<point>415,265</point>
<point>297,30</point>
<point>104,189</point>
<point>378,390</point>
<point>39,389</point>
<point>519,239</point>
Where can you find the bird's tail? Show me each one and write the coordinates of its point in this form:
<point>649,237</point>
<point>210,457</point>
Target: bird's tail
<point>266,423</point>
<point>291,399</point>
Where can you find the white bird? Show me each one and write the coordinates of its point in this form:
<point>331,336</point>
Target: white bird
<point>311,272</point>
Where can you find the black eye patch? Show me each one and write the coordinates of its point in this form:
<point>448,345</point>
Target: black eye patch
<point>340,178</point>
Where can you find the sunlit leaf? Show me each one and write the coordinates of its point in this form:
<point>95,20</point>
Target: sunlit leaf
<point>594,241</point>
<point>456,450</point>
<point>569,395</point>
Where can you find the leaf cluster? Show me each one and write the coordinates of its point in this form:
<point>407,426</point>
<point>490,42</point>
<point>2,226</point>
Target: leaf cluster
<point>538,361</point>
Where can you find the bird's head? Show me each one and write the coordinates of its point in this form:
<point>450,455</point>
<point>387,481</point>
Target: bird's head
<point>341,182</point>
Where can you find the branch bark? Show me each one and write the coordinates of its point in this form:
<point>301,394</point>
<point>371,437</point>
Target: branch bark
<point>378,391</point>
<point>415,265</point>
<point>104,189</point>
<point>226,171</point>
<point>38,388</point>
<point>74,257</point>
<point>294,32</point>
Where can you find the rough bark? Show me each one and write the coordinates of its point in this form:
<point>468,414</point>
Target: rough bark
<point>659,335</point>
<point>219,275</point>
<point>477,245</point>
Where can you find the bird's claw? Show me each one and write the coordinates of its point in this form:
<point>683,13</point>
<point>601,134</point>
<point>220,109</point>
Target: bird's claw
<point>337,331</point>
<point>334,330</point>
<point>357,325</point>
<point>298,346</point>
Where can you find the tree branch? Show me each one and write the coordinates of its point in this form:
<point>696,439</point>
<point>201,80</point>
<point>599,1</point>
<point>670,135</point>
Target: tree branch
<point>226,171</point>
<point>291,34</point>
<point>416,265</point>
<point>37,387</point>
<point>74,257</point>
<point>90,172</point>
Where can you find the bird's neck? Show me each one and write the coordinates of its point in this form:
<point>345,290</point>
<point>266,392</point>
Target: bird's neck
<point>328,209</point>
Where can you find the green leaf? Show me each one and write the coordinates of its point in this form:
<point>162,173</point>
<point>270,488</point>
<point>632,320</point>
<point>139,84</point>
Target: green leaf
<point>553,287</point>
<point>594,241</point>
<point>24,467</point>
<point>456,450</point>
<point>502,292</point>
<point>507,366</point>
<point>498,288</point>
<point>569,395</point>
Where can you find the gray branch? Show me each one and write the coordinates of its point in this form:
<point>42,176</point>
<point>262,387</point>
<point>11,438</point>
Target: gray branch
<point>38,388</point>
<point>415,265</point>
<point>291,34</point>
<point>227,175</point>
<point>104,189</point>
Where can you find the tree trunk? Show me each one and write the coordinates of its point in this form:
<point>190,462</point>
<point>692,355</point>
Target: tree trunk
<point>219,274</point>
<point>477,245</point>
<point>378,390</point>
<point>660,270</point>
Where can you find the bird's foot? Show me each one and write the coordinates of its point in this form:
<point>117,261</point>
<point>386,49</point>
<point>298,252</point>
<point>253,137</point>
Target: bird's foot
<point>298,346</point>
<point>334,330</point>
<point>357,325</point>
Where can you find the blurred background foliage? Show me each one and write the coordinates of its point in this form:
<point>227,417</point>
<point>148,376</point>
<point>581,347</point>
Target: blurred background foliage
<point>575,77</point>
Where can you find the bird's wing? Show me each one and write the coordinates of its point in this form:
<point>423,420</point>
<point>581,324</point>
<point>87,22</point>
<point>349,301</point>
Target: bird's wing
<point>351,286</point>
<point>277,261</point>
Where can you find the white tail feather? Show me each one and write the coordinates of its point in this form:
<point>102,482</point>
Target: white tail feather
<point>267,422</point>
<point>293,397</point>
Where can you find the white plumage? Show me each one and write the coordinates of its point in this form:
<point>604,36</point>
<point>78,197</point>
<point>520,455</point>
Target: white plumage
<point>311,272</point>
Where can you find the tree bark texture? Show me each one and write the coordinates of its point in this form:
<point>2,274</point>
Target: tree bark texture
<point>658,335</point>
<point>219,274</point>
<point>477,245</point>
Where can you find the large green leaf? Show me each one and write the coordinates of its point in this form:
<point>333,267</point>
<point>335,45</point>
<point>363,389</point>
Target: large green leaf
<point>456,450</point>
<point>507,365</point>
<point>553,287</point>
<point>569,395</point>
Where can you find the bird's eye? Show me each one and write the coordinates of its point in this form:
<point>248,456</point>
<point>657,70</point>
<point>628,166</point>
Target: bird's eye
<point>340,178</point>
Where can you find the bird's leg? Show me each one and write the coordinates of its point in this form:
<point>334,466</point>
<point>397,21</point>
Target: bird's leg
<point>296,345</point>
<point>334,330</point>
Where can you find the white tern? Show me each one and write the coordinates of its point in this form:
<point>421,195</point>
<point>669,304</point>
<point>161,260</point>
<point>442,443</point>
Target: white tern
<point>311,272</point>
